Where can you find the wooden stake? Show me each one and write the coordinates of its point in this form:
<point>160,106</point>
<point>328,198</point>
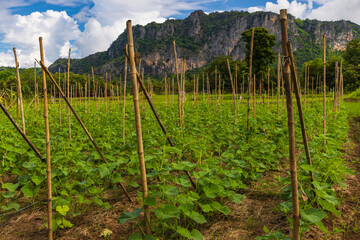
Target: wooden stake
<point>178,85</point>
<point>324,90</point>
<point>79,120</point>
<point>19,91</point>
<point>233,91</point>
<point>291,127</point>
<point>300,111</point>
<point>47,138</point>
<point>250,76</point>
<point>124,100</point>
<point>138,123</point>
<point>68,93</point>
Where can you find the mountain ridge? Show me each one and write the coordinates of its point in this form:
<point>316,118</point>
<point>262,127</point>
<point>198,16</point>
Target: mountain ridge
<point>202,37</point>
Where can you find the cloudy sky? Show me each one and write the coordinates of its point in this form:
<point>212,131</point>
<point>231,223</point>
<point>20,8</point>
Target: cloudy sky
<point>89,26</point>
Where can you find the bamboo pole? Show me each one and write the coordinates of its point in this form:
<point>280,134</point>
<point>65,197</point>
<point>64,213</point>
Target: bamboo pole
<point>138,124</point>
<point>124,100</point>
<point>59,101</point>
<point>47,137</point>
<point>19,91</point>
<point>336,85</point>
<point>342,82</point>
<point>203,82</point>
<point>38,154</point>
<point>300,111</point>
<point>68,92</point>
<point>178,84</point>
<point>305,80</point>
<point>250,77</point>
<point>268,87</point>
<point>291,127</point>
<point>233,90</point>
<point>208,88</point>
<point>157,116</point>
<point>35,110</point>
<point>324,90</point>
<point>254,100</point>
<point>79,120</point>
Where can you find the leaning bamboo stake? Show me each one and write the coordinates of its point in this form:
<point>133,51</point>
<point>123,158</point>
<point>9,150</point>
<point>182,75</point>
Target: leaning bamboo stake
<point>19,91</point>
<point>138,124</point>
<point>59,100</point>
<point>341,83</point>
<point>68,92</point>
<point>300,111</point>
<point>157,117</point>
<point>305,80</point>
<point>35,110</point>
<point>79,120</point>
<point>178,84</point>
<point>336,85</point>
<point>250,76</point>
<point>124,100</point>
<point>324,91</point>
<point>21,131</point>
<point>233,90</point>
<point>268,87</point>
<point>47,137</point>
<point>291,127</point>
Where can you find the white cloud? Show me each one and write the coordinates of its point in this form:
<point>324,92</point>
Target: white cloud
<point>108,19</point>
<point>23,32</point>
<point>326,10</point>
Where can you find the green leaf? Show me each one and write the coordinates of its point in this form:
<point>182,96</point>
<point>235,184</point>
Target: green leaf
<point>167,211</point>
<point>67,223</point>
<point>28,165</point>
<point>197,217</point>
<point>196,235</point>
<point>313,215</point>
<point>29,190</point>
<point>150,237</point>
<point>150,201</point>
<point>126,216</point>
<point>62,209</point>
<point>211,190</point>
<point>184,232</point>
<point>37,179</point>
<point>221,208</point>
<point>135,236</point>
<point>100,203</point>
<point>10,186</point>
<point>10,206</point>
<point>170,190</point>
<point>309,168</point>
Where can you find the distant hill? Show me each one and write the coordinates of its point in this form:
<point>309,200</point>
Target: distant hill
<point>202,37</point>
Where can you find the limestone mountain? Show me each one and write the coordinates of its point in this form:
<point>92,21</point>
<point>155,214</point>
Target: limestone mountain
<point>202,37</point>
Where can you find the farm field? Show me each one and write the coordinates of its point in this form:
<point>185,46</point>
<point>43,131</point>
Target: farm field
<point>186,142</point>
<point>242,176</point>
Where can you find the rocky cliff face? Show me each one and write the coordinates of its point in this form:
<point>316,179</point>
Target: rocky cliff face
<point>200,38</point>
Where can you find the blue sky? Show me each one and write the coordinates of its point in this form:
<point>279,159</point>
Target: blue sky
<point>89,26</point>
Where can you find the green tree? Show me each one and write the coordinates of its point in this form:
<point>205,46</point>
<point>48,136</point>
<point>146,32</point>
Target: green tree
<point>352,52</point>
<point>263,55</point>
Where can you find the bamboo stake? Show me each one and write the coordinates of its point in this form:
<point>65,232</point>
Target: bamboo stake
<point>250,77</point>
<point>19,91</point>
<point>233,90</point>
<point>59,100</point>
<point>324,90</point>
<point>47,136</point>
<point>178,85</point>
<point>300,111</point>
<point>35,110</point>
<point>38,154</point>
<point>203,86</point>
<point>138,124</point>
<point>342,82</point>
<point>157,116</point>
<point>305,84</point>
<point>336,85</point>
<point>68,93</point>
<point>254,101</point>
<point>79,120</point>
<point>208,88</point>
<point>291,127</point>
<point>124,100</point>
<point>268,87</point>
